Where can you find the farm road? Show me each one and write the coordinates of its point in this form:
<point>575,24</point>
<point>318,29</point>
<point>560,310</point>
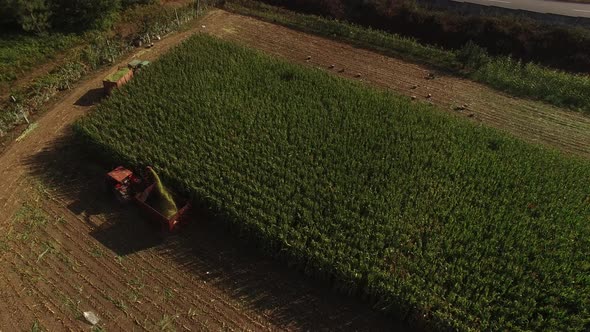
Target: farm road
<point>532,121</point>
<point>66,249</point>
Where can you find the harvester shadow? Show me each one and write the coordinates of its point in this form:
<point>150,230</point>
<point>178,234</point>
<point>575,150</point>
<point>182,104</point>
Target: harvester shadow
<point>65,171</point>
<point>288,298</point>
<point>204,248</point>
<point>91,97</point>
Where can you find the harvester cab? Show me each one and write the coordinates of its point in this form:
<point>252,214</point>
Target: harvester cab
<point>123,184</point>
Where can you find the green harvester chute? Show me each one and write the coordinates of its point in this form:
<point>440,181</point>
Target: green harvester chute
<point>163,202</point>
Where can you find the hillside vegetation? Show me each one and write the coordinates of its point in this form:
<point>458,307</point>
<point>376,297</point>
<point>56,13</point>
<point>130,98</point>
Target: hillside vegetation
<point>504,73</point>
<point>425,215</point>
<point>561,47</point>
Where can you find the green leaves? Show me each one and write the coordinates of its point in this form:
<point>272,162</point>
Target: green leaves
<point>426,214</point>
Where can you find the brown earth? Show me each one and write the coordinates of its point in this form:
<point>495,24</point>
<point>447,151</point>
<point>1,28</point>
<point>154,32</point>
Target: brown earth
<point>532,121</point>
<point>67,248</point>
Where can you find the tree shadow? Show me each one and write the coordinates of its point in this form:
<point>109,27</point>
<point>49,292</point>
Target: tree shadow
<point>204,248</point>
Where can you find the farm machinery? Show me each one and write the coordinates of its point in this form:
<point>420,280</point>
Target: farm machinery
<point>147,192</point>
<point>123,75</point>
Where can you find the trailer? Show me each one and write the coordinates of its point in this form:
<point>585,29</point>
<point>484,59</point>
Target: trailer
<point>168,225</point>
<point>123,75</point>
<point>116,80</point>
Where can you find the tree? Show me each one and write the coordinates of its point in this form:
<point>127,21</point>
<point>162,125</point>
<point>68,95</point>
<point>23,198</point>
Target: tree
<point>33,15</point>
<point>7,12</point>
<point>83,14</point>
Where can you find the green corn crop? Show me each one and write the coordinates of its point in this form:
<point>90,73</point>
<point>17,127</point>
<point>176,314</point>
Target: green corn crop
<point>425,213</point>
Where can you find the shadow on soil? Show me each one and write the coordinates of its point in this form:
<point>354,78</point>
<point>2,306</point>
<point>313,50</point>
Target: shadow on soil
<point>64,171</point>
<point>90,98</point>
<point>205,249</point>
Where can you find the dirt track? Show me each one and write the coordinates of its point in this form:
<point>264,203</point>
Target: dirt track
<point>68,249</point>
<point>532,121</point>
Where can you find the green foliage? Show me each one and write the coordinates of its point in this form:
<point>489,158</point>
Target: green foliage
<point>128,3</point>
<point>34,15</point>
<point>83,14</point>
<point>76,15</point>
<point>520,79</point>
<point>426,214</point>
<point>523,80</point>
<point>19,52</point>
<point>7,10</point>
<point>561,46</point>
<point>472,56</point>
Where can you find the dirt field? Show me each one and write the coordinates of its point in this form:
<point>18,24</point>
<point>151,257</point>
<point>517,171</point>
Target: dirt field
<point>533,121</point>
<point>67,248</point>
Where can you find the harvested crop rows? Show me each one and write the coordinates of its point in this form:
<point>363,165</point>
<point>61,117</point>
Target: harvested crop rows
<point>532,121</point>
<point>426,214</point>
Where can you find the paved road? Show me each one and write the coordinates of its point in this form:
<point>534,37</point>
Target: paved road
<point>541,6</point>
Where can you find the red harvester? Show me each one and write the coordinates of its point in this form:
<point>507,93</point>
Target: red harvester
<point>126,186</point>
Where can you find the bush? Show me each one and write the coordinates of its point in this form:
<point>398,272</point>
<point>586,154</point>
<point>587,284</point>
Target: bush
<point>472,56</point>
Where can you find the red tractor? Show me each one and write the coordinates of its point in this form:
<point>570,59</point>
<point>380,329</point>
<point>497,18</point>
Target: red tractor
<point>123,184</point>
<point>126,187</point>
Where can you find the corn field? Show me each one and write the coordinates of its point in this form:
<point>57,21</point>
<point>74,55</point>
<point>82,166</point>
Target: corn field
<point>424,215</point>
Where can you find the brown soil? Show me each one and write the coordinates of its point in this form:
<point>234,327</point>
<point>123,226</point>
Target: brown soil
<point>68,248</point>
<point>532,121</point>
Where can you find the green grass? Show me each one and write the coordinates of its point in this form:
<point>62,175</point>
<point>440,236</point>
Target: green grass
<point>20,52</point>
<point>523,80</point>
<point>424,214</point>
<point>555,87</point>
